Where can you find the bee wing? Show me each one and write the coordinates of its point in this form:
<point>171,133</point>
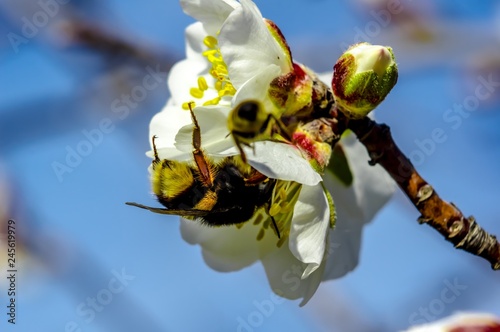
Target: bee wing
<point>187,213</point>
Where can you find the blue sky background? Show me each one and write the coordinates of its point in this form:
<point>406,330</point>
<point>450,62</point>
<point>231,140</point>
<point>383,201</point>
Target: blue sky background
<point>73,233</point>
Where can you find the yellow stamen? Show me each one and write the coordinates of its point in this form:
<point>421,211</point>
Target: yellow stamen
<point>266,224</point>
<point>202,83</point>
<point>214,101</point>
<point>282,194</point>
<point>218,85</point>
<point>185,106</point>
<point>195,92</point>
<point>258,219</point>
<point>260,235</point>
<point>221,69</point>
<point>274,210</point>
<point>210,53</point>
<point>210,42</point>
<point>213,58</point>
<point>223,93</point>
<point>218,71</point>
<point>285,208</point>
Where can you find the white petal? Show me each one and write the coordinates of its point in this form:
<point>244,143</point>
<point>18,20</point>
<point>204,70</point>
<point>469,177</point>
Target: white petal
<point>309,229</point>
<point>171,154</point>
<point>257,88</point>
<point>247,45</point>
<point>284,273</point>
<point>184,76</point>
<point>167,123</point>
<point>195,33</point>
<point>372,186</point>
<point>174,130</point>
<point>212,13</point>
<point>228,248</point>
<point>356,205</point>
<point>215,138</point>
<point>281,161</point>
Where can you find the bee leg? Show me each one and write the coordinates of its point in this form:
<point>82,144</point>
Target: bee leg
<point>155,151</point>
<point>283,131</point>
<point>240,148</point>
<point>256,178</point>
<point>276,227</point>
<point>198,155</point>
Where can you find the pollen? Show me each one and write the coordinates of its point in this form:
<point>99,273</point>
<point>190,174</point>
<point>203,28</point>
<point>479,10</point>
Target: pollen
<point>202,83</point>
<point>210,42</point>
<point>218,85</point>
<point>258,220</point>
<point>219,67</point>
<point>274,210</point>
<point>196,93</point>
<point>222,83</point>
<point>287,208</point>
<point>214,101</point>
<point>185,106</point>
<point>228,90</point>
<point>260,236</point>
<point>280,242</point>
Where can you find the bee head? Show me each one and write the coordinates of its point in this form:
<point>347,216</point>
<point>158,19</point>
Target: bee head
<point>248,110</point>
<point>248,119</point>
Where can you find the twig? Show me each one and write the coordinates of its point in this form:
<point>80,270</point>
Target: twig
<point>445,217</point>
<point>115,47</point>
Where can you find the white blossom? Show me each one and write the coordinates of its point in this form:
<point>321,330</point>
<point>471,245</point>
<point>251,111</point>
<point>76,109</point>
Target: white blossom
<point>232,55</point>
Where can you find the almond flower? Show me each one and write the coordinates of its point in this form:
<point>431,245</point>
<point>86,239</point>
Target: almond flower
<point>233,55</point>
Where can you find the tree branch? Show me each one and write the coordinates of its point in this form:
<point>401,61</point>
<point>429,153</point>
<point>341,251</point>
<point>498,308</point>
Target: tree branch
<point>444,217</point>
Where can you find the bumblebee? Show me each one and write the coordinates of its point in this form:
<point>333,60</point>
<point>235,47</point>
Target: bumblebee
<point>249,122</point>
<point>215,193</point>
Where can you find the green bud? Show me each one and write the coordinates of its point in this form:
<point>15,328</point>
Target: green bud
<point>363,76</point>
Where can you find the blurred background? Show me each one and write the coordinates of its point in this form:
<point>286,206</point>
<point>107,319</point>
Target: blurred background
<point>80,81</point>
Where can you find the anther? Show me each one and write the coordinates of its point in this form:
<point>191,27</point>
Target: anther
<point>210,42</point>
<point>196,93</point>
<point>202,83</point>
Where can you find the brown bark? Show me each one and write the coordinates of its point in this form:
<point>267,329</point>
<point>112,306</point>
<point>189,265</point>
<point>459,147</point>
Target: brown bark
<point>445,217</point>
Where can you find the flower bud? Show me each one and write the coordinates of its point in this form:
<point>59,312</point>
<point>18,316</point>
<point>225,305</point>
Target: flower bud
<point>363,76</point>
